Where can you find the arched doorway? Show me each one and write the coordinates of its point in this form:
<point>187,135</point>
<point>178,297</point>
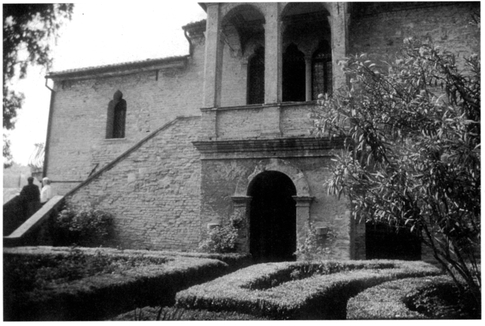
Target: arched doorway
<point>272,217</point>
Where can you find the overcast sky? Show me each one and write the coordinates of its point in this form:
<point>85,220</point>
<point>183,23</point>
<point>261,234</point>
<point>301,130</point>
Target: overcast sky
<point>100,33</point>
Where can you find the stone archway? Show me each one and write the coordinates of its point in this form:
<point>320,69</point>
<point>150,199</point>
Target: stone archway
<point>296,175</point>
<point>272,217</point>
<point>242,199</point>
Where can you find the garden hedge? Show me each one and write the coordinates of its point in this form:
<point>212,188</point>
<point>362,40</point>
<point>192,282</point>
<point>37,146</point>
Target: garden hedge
<point>175,314</point>
<point>103,296</point>
<point>392,300</point>
<point>297,290</point>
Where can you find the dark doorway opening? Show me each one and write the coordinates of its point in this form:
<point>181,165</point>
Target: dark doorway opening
<point>256,77</point>
<point>383,241</point>
<point>293,74</point>
<point>272,217</point>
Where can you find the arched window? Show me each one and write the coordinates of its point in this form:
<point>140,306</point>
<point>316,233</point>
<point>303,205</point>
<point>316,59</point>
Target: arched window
<point>115,126</point>
<point>256,77</point>
<point>322,70</point>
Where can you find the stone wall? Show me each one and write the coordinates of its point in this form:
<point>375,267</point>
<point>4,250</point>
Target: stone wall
<point>381,28</point>
<point>162,195</point>
<point>78,141</point>
<point>222,179</point>
<point>153,192</point>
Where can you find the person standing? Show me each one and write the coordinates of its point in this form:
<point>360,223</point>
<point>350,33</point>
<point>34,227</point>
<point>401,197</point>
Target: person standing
<point>30,197</point>
<point>46,193</point>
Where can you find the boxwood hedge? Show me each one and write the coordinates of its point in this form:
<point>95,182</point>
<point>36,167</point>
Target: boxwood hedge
<point>297,290</point>
<point>106,294</point>
<point>399,300</point>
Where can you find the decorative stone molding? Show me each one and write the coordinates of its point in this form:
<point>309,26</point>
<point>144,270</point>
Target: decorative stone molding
<point>295,174</point>
<point>303,204</point>
<point>241,211</point>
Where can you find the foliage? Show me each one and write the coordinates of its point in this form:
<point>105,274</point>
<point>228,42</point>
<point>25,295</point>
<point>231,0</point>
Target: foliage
<point>413,159</point>
<point>223,239</point>
<point>315,246</point>
<point>319,290</point>
<point>23,273</point>
<point>7,155</point>
<point>82,226</point>
<point>176,313</point>
<point>412,298</point>
<point>27,33</point>
<point>95,284</point>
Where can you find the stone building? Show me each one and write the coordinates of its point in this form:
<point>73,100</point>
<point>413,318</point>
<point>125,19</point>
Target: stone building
<point>174,146</point>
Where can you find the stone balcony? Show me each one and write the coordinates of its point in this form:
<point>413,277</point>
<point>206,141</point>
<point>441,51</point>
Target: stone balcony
<point>261,121</point>
<point>278,130</point>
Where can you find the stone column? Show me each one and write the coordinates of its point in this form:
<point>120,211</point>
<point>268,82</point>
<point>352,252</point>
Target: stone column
<point>302,217</point>
<point>272,56</point>
<point>308,78</point>
<point>241,211</point>
<point>339,21</point>
<point>213,57</point>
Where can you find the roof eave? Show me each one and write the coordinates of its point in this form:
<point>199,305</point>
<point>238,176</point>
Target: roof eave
<point>121,69</point>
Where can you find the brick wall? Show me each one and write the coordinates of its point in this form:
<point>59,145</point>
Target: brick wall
<point>154,192</point>
<point>220,179</point>
<point>78,125</point>
<point>380,30</point>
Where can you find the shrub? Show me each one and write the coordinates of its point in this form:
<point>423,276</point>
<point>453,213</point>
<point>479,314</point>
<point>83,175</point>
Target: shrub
<point>84,226</point>
<point>175,313</point>
<point>318,290</point>
<point>223,239</point>
<point>41,271</point>
<point>412,128</point>
<point>98,289</point>
<point>315,247</point>
<point>411,298</point>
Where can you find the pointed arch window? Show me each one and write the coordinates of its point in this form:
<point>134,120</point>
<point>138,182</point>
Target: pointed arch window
<point>115,126</point>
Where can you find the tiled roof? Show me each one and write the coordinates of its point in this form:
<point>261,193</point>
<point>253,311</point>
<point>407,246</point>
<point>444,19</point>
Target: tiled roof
<point>114,67</point>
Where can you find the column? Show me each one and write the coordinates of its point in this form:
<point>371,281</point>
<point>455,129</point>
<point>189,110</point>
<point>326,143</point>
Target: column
<point>213,57</point>
<point>302,217</point>
<point>339,26</point>
<point>308,78</point>
<point>272,56</point>
<point>241,212</point>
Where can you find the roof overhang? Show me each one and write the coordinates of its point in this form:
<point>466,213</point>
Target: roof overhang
<point>178,62</point>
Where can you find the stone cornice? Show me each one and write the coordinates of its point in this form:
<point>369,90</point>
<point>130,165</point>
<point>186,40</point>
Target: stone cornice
<point>284,147</point>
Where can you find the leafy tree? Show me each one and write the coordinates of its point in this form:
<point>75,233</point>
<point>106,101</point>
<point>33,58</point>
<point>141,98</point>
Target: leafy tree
<point>27,33</point>
<point>412,127</point>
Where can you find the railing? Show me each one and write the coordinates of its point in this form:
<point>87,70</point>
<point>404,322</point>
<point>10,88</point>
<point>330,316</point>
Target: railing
<point>30,231</point>
<point>13,215</point>
<point>259,121</point>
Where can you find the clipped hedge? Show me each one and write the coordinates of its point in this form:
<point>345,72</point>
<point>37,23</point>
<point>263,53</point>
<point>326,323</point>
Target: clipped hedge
<point>175,313</point>
<point>103,296</point>
<point>297,290</point>
<point>399,300</point>
<point>233,260</point>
